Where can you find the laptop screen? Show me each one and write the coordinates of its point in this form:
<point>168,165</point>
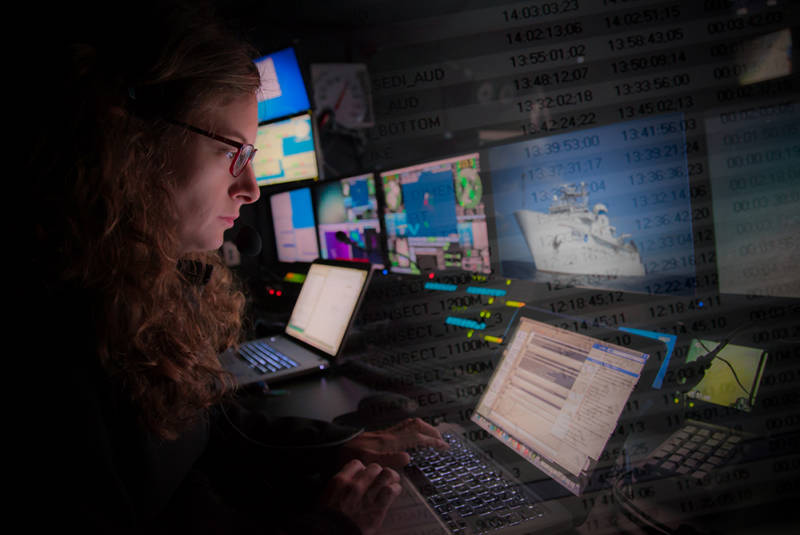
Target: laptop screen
<point>326,304</point>
<point>733,377</point>
<point>556,396</point>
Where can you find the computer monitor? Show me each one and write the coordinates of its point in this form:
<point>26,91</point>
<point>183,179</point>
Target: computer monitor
<point>754,173</point>
<point>282,92</point>
<point>295,229</point>
<point>435,216</point>
<point>604,207</point>
<point>286,151</point>
<point>348,220</point>
<point>733,376</point>
<point>556,396</point>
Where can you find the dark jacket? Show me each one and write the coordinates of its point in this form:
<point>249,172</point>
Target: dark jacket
<point>96,471</point>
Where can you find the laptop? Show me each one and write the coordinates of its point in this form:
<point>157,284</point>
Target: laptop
<point>555,400</point>
<point>731,378</point>
<point>315,335</point>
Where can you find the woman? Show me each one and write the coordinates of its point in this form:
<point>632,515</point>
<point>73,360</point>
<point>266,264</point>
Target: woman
<point>150,163</point>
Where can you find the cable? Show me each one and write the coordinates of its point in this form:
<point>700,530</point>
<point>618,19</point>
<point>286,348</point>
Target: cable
<point>644,520</point>
<point>714,353</point>
<point>734,375</point>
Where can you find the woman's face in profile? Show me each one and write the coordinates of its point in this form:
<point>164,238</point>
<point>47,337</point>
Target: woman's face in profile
<point>210,199</point>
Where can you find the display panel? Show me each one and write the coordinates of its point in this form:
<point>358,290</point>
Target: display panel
<point>435,216</point>
<point>286,151</point>
<point>347,219</point>
<point>754,163</point>
<point>282,92</point>
<point>556,397</point>
<point>604,207</point>
<point>295,229</point>
<point>325,305</point>
<point>733,378</point>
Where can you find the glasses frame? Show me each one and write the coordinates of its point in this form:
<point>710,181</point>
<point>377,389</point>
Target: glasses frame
<point>233,143</point>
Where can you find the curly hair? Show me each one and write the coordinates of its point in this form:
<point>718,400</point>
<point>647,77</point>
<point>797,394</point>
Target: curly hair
<point>110,227</point>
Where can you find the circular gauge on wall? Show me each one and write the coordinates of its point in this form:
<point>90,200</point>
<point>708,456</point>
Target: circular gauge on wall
<point>344,89</point>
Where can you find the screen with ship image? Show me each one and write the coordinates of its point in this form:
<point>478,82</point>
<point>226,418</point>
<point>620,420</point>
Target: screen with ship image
<point>604,207</point>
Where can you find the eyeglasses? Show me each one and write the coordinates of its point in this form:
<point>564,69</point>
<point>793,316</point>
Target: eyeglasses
<point>244,151</point>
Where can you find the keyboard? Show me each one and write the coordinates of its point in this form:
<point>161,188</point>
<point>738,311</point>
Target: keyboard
<point>470,493</point>
<point>264,358</point>
<point>695,450</point>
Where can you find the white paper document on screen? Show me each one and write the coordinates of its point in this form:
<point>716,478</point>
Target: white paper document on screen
<point>270,87</point>
<point>307,301</point>
<point>597,398</point>
<point>326,304</point>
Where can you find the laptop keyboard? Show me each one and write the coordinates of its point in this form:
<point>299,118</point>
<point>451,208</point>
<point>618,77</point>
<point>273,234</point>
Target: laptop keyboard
<point>264,358</point>
<point>468,491</point>
<point>694,450</point>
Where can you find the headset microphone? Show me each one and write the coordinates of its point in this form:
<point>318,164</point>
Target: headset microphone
<point>342,237</point>
<point>248,241</point>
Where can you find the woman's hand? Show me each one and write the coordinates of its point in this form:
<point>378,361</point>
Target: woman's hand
<point>388,447</point>
<point>363,494</point>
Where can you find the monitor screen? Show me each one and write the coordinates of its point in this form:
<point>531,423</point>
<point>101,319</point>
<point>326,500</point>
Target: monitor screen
<point>435,216</point>
<point>556,397</point>
<point>753,157</point>
<point>286,151</point>
<point>282,90</point>
<point>347,219</point>
<point>733,378</point>
<point>605,207</point>
<point>326,305</point>
<point>295,230</point>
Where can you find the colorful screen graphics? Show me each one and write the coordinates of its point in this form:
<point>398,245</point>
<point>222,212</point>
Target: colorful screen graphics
<point>347,219</point>
<point>435,216</point>
<point>282,92</point>
<point>295,230</point>
<point>606,207</point>
<point>286,151</point>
